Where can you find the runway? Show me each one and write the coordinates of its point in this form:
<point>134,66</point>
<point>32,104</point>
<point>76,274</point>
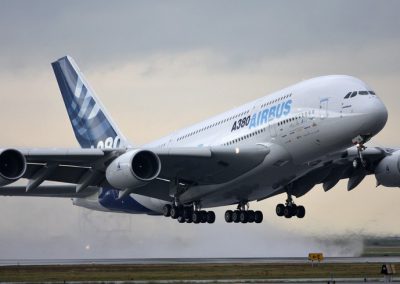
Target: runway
<point>197,270</point>
<point>283,260</point>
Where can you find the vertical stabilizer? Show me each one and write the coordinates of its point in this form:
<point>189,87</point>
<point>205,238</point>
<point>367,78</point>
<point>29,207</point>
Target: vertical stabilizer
<point>92,126</point>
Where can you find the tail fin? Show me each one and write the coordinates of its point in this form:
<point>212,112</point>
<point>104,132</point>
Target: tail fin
<point>92,126</point>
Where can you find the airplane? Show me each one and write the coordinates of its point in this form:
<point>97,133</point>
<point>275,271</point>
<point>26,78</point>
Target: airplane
<point>313,132</point>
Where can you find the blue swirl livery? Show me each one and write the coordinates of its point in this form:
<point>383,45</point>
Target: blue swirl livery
<point>92,126</point>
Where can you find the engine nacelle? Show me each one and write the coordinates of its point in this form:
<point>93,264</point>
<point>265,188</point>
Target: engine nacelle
<point>12,166</point>
<point>133,169</point>
<point>387,172</point>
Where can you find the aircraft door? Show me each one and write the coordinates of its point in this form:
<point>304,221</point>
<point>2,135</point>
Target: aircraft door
<point>323,108</point>
<point>272,130</point>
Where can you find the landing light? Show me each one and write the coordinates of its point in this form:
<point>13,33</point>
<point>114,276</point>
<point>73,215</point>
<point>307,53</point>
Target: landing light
<point>237,150</point>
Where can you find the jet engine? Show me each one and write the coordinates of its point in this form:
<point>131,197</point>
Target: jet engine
<point>12,166</point>
<point>387,172</point>
<point>133,169</point>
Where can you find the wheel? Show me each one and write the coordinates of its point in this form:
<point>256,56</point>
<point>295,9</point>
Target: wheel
<point>243,217</point>
<point>258,217</point>
<point>287,212</point>
<point>251,216</point>
<point>187,212</point>
<point>280,208</point>
<point>203,218</point>
<point>175,212</point>
<point>196,217</point>
<point>301,212</point>
<point>167,210</point>
<point>181,219</point>
<point>294,210</point>
<point>210,217</point>
<point>235,216</point>
<point>228,216</point>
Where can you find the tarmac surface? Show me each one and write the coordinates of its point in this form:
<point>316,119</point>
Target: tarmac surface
<point>289,260</point>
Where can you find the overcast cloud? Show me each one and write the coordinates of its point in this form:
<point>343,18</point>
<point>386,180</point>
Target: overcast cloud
<point>162,65</point>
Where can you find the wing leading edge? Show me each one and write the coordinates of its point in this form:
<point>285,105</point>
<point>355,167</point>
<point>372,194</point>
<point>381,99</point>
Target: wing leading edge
<point>85,168</point>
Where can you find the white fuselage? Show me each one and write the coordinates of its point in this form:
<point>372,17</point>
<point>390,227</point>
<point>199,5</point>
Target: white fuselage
<point>301,124</point>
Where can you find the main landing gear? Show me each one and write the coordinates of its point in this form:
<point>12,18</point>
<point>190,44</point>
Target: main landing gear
<point>188,214</point>
<point>243,215</point>
<point>290,209</point>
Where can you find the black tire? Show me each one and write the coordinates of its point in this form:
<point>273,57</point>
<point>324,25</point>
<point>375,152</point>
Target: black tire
<point>167,210</point>
<point>251,216</point>
<point>235,216</point>
<point>288,212</point>
<point>243,217</point>
<point>280,208</point>
<point>181,219</point>
<point>175,212</point>
<point>196,217</point>
<point>187,212</point>
<point>203,216</point>
<point>258,217</point>
<point>301,212</point>
<point>294,210</point>
<point>228,216</point>
<point>210,217</point>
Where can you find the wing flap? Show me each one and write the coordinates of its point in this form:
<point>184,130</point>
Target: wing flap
<point>66,191</point>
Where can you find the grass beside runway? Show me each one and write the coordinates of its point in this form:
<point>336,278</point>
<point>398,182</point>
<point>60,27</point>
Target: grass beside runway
<point>187,272</point>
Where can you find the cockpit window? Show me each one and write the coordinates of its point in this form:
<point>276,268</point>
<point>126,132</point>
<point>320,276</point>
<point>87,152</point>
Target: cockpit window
<point>363,93</point>
<point>348,95</point>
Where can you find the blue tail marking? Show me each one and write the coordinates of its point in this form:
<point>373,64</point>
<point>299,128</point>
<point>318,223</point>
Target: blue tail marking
<point>92,126</point>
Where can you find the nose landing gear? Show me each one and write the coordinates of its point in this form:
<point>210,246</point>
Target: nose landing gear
<point>290,209</point>
<point>359,142</point>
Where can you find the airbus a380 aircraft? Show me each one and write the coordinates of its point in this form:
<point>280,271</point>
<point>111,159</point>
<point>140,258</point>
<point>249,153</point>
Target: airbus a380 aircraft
<point>287,142</point>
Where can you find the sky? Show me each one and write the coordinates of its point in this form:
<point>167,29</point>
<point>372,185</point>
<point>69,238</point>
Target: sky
<point>162,65</point>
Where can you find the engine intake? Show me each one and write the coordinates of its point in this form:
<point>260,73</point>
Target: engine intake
<point>387,172</point>
<point>133,169</point>
<point>12,166</point>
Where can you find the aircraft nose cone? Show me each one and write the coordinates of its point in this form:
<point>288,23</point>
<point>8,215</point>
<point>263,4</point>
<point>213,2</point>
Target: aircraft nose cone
<point>376,116</point>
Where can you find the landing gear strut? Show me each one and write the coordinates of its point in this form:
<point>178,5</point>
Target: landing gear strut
<point>243,215</point>
<point>290,209</point>
<point>359,142</point>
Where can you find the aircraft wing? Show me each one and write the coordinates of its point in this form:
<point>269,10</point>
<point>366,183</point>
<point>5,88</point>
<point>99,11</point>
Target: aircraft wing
<point>85,168</point>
